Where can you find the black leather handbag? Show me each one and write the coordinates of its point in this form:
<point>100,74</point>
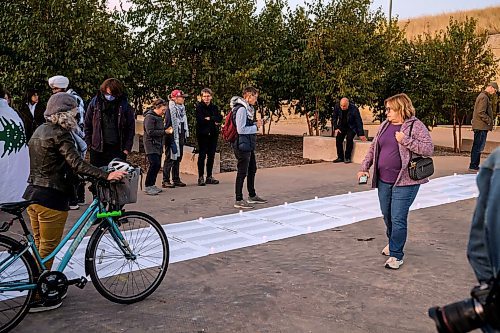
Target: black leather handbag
<point>420,167</point>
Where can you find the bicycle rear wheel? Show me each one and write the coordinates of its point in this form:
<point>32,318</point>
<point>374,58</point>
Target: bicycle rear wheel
<point>14,304</point>
<point>128,280</point>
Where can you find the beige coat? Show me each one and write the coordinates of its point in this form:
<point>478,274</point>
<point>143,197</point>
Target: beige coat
<point>482,119</point>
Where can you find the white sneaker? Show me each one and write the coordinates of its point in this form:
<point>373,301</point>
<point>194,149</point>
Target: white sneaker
<point>149,190</point>
<point>157,189</point>
<point>385,251</point>
<point>393,263</point>
<point>74,207</point>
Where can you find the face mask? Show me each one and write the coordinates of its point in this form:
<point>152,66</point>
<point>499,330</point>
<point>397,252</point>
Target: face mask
<point>109,97</point>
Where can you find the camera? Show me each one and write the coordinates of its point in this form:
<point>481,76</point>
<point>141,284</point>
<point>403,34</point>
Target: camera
<point>464,316</point>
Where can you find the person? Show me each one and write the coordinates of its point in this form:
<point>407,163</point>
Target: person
<point>390,153</point>
<point>208,119</point>
<point>14,157</point>
<point>482,122</point>
<point>176,118</point>
<point>31,112</point>
<point>109,124</point>
<point>7,97</point>
<point>483,250</point>
<point>154,132</point>
<point>244,146</point>
<point>346,123</point>
<point>58,84</point>
<point>53,154</point>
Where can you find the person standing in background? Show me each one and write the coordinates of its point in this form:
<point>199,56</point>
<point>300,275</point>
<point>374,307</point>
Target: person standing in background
<point>208,119</point>
<point>175,118</point>
<point>346,124</point>
<point>109,124</point>
<point>482,122</point>
<point>31,112</point>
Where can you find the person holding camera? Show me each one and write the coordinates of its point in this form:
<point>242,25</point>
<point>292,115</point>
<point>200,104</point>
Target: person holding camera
<point>400,135</point>
<point>483,252</point>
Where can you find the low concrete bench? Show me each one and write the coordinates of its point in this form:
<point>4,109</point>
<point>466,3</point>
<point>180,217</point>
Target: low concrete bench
<point>325,148</point>
<point>189,163</point>
<point>489,147</point>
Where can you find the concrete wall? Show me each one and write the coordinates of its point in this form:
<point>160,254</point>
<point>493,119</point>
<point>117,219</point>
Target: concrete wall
<point>324,148</point>
<point>488,148</point>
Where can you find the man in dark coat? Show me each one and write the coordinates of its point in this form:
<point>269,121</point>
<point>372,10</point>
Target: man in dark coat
<point>346,124</point>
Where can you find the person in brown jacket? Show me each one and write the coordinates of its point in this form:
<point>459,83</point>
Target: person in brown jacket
<point>482,122</point>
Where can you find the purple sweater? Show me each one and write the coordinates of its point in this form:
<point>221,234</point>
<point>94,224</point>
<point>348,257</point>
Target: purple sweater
<point>419,143</point>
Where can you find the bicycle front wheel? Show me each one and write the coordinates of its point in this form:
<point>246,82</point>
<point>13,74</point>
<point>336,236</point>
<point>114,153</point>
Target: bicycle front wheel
<point>14,303</point>
<point>123,278</point>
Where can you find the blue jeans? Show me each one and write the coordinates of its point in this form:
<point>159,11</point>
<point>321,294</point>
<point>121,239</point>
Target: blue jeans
<point>477,148</point>
<point>483,250</point>
<point>395,202</point>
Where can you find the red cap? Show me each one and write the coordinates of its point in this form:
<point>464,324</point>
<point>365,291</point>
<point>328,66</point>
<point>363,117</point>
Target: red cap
<point>177,93</point>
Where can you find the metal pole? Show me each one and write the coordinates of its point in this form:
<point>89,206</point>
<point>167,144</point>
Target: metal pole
<point>390,11</point>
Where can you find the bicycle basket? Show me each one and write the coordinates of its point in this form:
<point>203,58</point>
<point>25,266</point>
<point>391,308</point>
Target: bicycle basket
<point>122,192</point>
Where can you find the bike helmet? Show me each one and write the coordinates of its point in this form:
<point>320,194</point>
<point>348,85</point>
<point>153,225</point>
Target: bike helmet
<point>118,165</point>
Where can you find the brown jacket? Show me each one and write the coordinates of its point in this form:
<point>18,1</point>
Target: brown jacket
<point>482,119</point>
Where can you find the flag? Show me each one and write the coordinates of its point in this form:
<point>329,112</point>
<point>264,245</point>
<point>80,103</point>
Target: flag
<point>14,155</point>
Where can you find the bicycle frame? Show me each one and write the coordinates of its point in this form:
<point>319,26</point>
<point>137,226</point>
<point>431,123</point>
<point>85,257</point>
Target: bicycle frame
<point>95,211</point>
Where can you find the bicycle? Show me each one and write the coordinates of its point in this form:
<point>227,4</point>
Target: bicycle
<point>124,259</point>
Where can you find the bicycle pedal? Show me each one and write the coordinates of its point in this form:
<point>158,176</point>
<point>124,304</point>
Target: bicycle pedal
<point>80,283</point>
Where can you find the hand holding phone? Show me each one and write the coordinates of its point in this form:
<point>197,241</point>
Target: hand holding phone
<point>363,177</point>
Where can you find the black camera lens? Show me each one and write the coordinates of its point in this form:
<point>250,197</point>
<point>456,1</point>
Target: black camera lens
<point>459,317</point>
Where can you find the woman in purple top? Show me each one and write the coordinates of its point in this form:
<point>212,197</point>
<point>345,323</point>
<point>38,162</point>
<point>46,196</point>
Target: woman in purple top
<point>390,153</point>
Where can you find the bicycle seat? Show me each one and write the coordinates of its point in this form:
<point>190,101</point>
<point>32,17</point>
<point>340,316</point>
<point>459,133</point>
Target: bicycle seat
<point>15,208</point>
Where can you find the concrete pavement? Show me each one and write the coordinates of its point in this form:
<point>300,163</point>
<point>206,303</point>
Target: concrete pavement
<point>331,281</point>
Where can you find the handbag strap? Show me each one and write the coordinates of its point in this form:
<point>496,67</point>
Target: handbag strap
<point>411,129</point>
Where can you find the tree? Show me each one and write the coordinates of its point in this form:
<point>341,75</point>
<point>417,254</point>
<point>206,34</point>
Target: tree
<point>78,38</point>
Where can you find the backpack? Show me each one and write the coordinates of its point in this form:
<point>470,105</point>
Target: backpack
<point>229,131</point>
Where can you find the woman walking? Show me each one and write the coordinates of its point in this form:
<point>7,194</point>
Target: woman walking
<point>400,135</point>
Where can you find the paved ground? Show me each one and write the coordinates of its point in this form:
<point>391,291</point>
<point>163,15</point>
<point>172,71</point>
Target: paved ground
<point>331,281</point>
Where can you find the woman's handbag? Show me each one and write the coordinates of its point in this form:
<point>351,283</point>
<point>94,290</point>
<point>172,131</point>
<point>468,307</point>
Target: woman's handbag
<point>420,167</point>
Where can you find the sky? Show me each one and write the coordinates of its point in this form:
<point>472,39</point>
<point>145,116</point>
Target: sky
<point>408,8</point>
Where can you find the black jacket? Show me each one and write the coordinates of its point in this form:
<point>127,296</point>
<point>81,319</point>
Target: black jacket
<point>93,123</point>
<point>154,132</point>
<point>353,119</point>
<point>31,123</point>
<point>207,127</point>
<point>53,158</point>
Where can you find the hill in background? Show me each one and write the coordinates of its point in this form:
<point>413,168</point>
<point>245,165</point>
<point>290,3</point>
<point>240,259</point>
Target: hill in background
<point>487,19</point>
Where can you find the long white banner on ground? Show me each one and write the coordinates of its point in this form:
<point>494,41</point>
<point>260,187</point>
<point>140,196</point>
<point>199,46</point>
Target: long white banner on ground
<point>205,236</point>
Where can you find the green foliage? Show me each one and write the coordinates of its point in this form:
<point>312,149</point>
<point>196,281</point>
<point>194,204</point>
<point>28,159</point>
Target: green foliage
<point>76,38</point>
<point>309,57</point>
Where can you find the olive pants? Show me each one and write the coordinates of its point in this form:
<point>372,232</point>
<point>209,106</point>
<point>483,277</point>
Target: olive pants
<point>48,226</point>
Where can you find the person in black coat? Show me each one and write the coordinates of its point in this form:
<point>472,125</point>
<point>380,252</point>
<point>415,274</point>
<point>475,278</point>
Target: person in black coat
<point>346,124</point>
<point>31,112</point>
<point>208,119</point>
